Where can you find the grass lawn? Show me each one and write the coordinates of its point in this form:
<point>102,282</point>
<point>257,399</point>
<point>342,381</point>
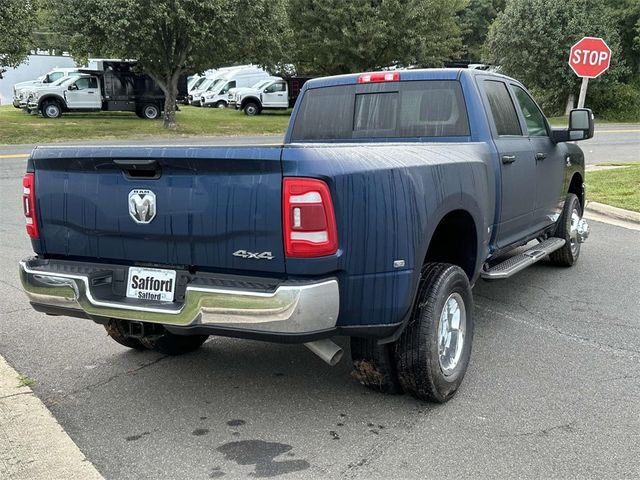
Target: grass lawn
<point>564,121</point>
<point>17,126</point>
<point>619,187</point>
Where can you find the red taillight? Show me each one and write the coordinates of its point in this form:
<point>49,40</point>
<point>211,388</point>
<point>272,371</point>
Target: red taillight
<point>375,77</point>
<point>29,205</point>
<point>308,218</point>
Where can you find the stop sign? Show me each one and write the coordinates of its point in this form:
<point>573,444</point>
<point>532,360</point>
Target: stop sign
<point>590,57</point>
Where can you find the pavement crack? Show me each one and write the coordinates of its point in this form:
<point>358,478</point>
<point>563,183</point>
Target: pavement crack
<point>93,386</point>
<point>23,309</point>
<point>551,328</point>
<point>565,427</point>
<point>16,394</point>
<point>17,289</point>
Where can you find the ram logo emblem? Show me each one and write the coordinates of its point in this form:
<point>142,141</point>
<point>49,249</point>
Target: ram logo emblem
<point>254,255</point>
<point>142,205</point>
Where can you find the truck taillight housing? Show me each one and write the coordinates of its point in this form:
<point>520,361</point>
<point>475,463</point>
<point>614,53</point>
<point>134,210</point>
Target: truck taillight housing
<point>308,218</point>
<point>29,205</point>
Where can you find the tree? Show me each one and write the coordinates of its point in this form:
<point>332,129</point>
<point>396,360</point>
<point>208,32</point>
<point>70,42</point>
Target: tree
<point>626,14</point>
<point>530,40</point>
<point>171,37</point>
<point>476,20</point>
<point>333,36</point>
<point>15,32</point>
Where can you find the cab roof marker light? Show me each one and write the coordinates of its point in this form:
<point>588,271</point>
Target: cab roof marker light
<point>376,77</point>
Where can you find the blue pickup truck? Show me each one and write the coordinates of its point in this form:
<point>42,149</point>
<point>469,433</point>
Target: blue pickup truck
<point>393,193</point>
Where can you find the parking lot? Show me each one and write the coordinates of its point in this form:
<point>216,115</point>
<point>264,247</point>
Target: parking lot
<point>552,391</point>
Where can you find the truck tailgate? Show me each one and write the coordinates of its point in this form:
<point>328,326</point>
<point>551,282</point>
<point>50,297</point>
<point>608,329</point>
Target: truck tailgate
<point>210,203</point>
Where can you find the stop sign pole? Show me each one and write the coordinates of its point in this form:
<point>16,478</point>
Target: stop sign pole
<point>589,58</point>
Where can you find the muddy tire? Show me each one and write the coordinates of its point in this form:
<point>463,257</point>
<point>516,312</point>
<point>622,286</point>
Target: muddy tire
<point>374,365</point>
<point>566,229</point>
<point>433,351</point>
<point>171,344</point>
<point>116,330</point>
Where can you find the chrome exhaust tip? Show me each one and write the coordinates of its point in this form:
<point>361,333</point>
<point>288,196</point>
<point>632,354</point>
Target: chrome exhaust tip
<point>326,350</point>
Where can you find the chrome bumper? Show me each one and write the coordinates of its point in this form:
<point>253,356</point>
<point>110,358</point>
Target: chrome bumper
<point>292,308</point>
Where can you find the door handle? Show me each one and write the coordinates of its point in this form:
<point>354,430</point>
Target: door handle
<point>508,159</point>
<point>540,156</point>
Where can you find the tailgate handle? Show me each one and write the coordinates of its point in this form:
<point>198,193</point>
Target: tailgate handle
<point>143,168</point>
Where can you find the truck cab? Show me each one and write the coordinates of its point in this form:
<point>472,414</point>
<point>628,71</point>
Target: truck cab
<point>79,92</point>
<point>21,89</point>
<point>278,94</point>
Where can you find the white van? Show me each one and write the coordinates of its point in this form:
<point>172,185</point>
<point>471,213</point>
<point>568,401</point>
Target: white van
<point>216,95</point>
<point>204,83</point>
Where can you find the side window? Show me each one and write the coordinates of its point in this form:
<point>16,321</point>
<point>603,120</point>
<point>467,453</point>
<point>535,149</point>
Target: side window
<point>532,114</point>
<point>228,86</point>
<point>82,83</point>
<point>93,82</point>
<point>276,87</point>
<point>502,108</point>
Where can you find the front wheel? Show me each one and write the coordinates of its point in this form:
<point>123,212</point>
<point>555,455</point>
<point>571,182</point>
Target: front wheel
<point>221,104</point>
<point>567,229</point>
<point>434,350</point>
<point>51,109</point>
<point>251,109</point>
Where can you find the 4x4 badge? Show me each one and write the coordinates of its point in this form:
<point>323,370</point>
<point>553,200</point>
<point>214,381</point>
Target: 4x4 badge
<point>254,255</point>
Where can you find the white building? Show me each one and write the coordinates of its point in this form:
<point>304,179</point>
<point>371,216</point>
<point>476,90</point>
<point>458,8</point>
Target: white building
<point>34,67</point>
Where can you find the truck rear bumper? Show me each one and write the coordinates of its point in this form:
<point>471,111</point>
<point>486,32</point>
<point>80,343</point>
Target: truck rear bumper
<point>290,308</point>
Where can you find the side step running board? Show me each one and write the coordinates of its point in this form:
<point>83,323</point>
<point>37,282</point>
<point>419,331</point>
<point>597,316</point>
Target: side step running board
<point>521,261</point>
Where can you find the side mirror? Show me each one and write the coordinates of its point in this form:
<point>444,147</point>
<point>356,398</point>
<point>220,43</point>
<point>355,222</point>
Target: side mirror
<point>580,126</point>
<point>73,86</point>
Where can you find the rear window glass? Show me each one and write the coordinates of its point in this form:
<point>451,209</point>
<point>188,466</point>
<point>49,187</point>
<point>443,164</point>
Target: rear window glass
<point>429,108</point>
<point>376,114</point>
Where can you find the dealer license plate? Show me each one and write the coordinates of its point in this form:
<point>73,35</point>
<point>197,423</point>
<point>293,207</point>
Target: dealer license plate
<point>151,284</point>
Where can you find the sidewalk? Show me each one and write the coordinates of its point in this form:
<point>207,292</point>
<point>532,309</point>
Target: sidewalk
<point>33,445</point>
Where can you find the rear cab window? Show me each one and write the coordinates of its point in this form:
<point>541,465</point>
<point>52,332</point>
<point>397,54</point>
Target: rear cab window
<point>405,109</point>
<point>501,107</point>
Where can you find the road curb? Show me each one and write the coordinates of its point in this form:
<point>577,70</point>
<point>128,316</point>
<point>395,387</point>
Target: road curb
<point>33,445</point>
<point>614,212</point>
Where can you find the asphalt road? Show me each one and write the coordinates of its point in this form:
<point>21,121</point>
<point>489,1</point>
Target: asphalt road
<point>553,390</point>
<point>611,143</point>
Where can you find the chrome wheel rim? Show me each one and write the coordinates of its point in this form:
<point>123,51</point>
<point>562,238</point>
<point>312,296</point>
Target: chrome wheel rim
<point>150,112</point>
<point>222,105</point>
<point>251,110</point>
<point>451,331</point>
<point>573,234</point>
<point>52,111</point>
